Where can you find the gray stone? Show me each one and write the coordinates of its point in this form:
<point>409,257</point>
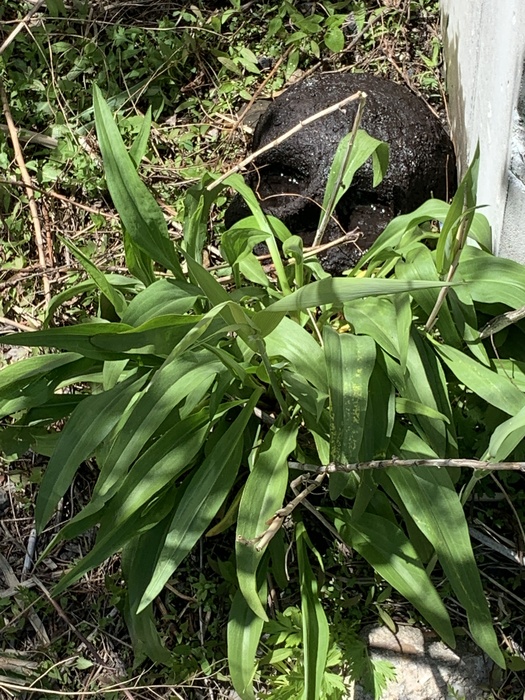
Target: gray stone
<point>426,669</point>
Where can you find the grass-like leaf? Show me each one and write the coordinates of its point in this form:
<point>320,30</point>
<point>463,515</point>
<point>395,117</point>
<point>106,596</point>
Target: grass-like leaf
<point>208,486</point>
<point>498,390</point>
<point>262,497</point>
<point>244,633</point>
<point>350,361</point>
<point>89,425</point>
<point>387,549</point>
<point>140,213</point>
<point>316,633</point>
<point>430,498</point>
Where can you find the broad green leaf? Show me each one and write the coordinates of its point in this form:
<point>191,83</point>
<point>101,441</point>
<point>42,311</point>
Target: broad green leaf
<point>387,549</point>
<point>408,445</point>
<point>124,514</point>
<point>435,507</point>
<point>213,291</point>
<point>403,311</point>
<point>145,637</point>
<point>492,280</point>
<point>170,385</point>
<point>263,224</point>
<point>39,391</point>
<point>158,336</point>
<point>304,355</point>
<point>244,634</point>
<point>401,226</point>
<point>426,384</point>
<point>74,339</point>
<point>140,144</point>
<point>197,203</point>
<point>124,284</point>
<point>350,360</point>
<point>90,423</point>
<point>99,278</point>
<point>376,318</point>
<point>262,497</point>
<point>15,376</point>
<point>334,290</point>
<point>161,298</point>
<point>506,437</point>
<point>363,148</point>
<point>380,415</point>
<point>139,263</point>
<point>252,269</point>
<point>140,213</point>
<point>237,243</point>
<point>206,491</point>
<point>416,408</point>
<point>310,399</point>
<point>334,39</point>
<point>316,634</point>
<point>498,390</point>
<point>419,264</point>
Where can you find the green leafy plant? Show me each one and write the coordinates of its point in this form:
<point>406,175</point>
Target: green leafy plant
<point>203,400</point>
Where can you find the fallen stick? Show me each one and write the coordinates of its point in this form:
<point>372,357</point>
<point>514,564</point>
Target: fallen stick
<point>284,137</point>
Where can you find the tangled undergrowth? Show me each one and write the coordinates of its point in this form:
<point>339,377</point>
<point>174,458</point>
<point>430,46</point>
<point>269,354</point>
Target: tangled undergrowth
<point>198,66</point>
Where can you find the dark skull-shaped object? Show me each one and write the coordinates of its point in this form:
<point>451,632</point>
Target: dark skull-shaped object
<point>422,162</point>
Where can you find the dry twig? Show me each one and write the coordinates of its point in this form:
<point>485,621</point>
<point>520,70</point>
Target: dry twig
<point>284,137</point>
<point>332,468</point>
<point>29,190</point>
<point>21,25</point>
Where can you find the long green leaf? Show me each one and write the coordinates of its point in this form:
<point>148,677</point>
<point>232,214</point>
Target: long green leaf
<point>304,355</point>
<point>506,437</point>
<point>140,214</point>
<point>262,497</point>
<point>387,549</point>
<point>140,144</point>
<point>364,147</point>
<point>124,284</point>
<point>334,290</point>
<point>497,389</point>
<point>492,280</point>
<point>169,386</point>
<point>316,632</point>
<point>99,278</point>
<point>350,360</point>
<point>74,339</point>
<point>244,634</point>
<point>39,392</point>
<point>197,203</point>
<point>398,228</point>
<point>430,498</point>
<point>206,491</point>
<point>89,425</point>
<point>376,318</point>
<point>14,376</point>
<point>426,384</point>
<point>161,298</point>
<point>124,514</point>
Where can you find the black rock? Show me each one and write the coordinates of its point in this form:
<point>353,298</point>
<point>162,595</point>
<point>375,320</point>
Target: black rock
<point>422,162</point>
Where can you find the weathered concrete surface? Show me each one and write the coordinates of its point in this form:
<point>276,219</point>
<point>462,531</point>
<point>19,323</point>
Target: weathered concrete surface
<point>485,56</point>
<point>426,668</point>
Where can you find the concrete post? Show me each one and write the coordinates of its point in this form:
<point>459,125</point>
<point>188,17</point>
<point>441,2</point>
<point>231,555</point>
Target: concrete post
<point>484,43</point>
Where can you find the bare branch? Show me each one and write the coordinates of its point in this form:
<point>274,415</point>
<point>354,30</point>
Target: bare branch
<point>284,137</point>
<point>394,462</point>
